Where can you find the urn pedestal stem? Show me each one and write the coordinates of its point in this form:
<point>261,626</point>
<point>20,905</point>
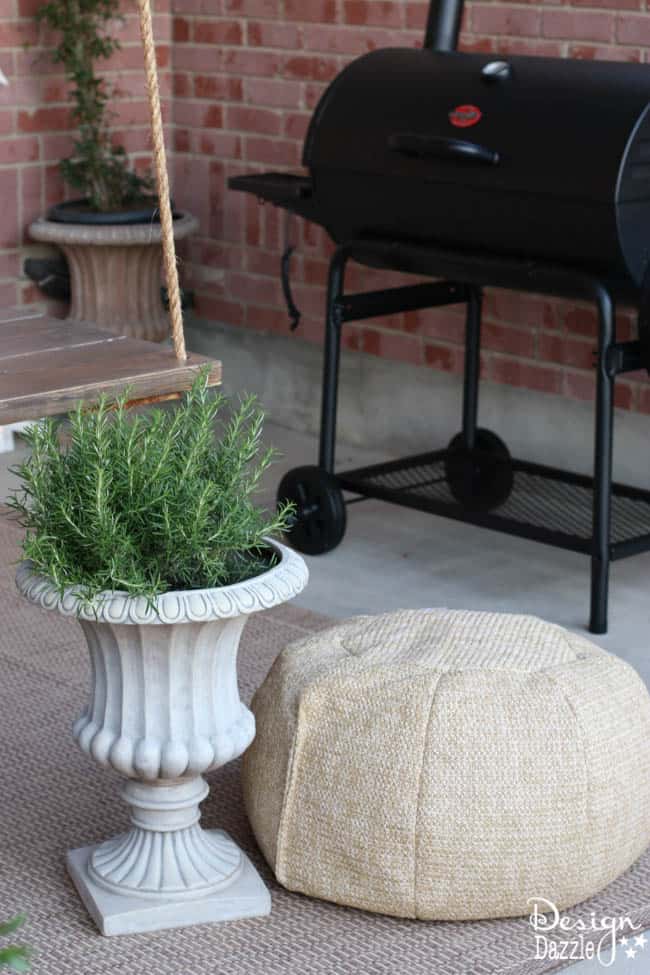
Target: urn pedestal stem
<point>166,871</point>
<point>165,853</point>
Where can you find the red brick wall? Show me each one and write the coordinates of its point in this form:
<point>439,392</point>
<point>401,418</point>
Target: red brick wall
<point>34,123</point>
<point>247,74</point>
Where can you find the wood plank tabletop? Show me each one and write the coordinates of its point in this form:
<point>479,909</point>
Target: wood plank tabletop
<point>47,365</point>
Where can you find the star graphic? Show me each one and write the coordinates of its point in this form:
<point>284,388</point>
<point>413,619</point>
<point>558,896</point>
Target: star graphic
<point>641,940</point>
<point>631,953</point>
<point>623,940</point>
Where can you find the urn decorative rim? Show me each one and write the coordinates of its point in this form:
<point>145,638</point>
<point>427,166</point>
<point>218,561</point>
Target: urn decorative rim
<point>281,582</point>
<point>149,232</point>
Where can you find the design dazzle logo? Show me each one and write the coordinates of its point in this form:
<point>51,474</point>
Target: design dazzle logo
<point>465,115</point>
<point>559,937</point>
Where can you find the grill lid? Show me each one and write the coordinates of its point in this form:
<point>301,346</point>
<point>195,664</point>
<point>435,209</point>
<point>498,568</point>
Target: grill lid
<point>543,126</point>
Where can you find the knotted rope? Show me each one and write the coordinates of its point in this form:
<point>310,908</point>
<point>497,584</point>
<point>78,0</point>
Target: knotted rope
<point>162,180</point>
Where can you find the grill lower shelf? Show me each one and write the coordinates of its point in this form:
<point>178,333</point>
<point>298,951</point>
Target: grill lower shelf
<point>546,504</point>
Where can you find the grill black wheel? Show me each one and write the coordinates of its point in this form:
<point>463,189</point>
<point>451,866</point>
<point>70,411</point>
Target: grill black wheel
<point>320,518</point>
<point>482,478</point>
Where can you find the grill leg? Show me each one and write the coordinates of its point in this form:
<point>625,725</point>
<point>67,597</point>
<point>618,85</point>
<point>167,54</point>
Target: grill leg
<point>332,355</point>
<point>472,365</point>
<point>602,469</point>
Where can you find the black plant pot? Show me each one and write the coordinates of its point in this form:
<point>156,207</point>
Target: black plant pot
<point>79,211</point>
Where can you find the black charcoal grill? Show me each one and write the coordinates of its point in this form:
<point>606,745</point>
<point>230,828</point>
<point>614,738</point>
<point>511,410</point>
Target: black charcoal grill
<point>528,173</point>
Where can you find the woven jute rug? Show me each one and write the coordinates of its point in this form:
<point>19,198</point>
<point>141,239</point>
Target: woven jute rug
<point>54,798</point>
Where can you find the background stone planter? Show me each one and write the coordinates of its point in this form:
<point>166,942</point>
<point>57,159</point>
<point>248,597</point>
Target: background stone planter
<point>115,273</point>
<point>164,709</point>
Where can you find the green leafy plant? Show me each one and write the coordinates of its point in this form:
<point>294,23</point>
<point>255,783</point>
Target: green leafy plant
<point>97,167</point>
<point>147,503</point>
<point>15,957</point>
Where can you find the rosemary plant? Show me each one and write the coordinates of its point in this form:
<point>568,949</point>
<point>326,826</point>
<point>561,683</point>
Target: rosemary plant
<point>147,503</point>
<point>97,167</point>
<point>14,957</point>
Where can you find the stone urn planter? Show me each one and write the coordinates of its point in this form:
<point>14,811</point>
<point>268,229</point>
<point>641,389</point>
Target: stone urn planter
<point>164,709</point>
<point>115,272</point>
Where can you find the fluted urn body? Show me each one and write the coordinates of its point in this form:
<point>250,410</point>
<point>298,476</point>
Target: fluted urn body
<point>164,709</point>
<point>115,273</point>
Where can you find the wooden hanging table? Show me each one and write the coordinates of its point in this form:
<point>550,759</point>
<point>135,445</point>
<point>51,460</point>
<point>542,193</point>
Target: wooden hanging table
<point>47,365</point>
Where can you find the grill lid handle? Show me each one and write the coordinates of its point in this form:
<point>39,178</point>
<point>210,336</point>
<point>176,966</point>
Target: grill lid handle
<point>441,147</point>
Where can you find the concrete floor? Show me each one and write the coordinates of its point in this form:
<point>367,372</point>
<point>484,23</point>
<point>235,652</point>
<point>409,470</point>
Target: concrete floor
<point>392,557</point>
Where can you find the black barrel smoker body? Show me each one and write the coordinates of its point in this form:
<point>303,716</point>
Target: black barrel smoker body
<point>528,173</point>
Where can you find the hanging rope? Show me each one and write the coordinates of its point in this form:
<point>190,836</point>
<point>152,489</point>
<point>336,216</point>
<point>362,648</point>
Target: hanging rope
<point>162,180</point>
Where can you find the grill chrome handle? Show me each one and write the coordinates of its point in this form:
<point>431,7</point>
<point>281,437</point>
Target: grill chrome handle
<point>441,147</point>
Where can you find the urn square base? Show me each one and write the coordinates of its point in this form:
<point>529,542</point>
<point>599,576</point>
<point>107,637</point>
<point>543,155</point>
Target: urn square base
<point>246,896</point>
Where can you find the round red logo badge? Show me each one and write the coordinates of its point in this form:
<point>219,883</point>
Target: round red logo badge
<point>465,115</point>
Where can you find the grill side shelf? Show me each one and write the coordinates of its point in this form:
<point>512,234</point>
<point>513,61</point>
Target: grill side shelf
<point>287,190</point>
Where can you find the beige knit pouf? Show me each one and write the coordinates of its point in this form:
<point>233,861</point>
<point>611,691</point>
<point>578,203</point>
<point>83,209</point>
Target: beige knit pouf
<point>449,765</point>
